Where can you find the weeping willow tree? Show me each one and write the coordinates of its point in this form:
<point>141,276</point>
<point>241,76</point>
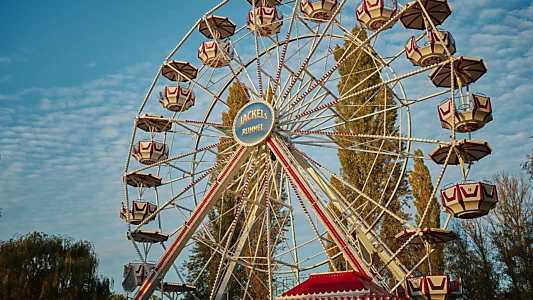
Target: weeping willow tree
<point>204,262</point>
<point>39,266</point>
<point>374,174</point>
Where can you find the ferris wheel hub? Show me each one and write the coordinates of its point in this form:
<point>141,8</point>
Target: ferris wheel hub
<point>253,123</point>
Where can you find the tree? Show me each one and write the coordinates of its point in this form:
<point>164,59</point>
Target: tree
<point>471,258</point>
<point>39,266</point>
<point>338,263</point>
<point>494,255</point>
<point>220,219</point>
<point>528,165</point>
<point>422,187</point>
<point>373,174</point>
<point>511,229</point>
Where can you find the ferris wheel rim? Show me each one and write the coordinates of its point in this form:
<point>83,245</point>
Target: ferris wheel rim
<point>232,78</point>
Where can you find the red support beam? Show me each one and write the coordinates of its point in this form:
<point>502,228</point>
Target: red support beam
<point>198,215</point>
<point>339,238</point>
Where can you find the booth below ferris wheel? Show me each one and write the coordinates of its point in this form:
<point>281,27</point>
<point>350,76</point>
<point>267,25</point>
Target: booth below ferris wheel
<point>240,165</point>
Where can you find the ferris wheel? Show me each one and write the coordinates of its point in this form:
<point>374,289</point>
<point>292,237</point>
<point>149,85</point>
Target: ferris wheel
<point>236,152</point>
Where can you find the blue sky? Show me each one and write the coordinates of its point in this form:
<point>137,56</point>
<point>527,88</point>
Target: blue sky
<point>73,74</point>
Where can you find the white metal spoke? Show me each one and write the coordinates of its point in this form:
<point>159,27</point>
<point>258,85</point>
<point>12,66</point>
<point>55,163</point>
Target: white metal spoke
<point>275,212</point>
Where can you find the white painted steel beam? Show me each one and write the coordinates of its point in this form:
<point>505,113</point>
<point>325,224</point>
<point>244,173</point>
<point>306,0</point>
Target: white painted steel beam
<point>215,191</point>
<point>243,243</point>
<point>365,240</point>
<point>344,242</point>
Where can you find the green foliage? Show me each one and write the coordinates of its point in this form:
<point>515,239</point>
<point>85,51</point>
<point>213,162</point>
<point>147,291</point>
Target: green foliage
<point>39,266</point>
<point>422,187</point>
<point>236,99</point>
<point>375,175</point>
<point>339,262</point>
<point>117,297</point>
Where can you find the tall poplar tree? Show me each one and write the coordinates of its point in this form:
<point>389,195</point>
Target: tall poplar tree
<point>338,263</point>
<point>374,174</point>
<point>422,187</point>
<point>220,219</point>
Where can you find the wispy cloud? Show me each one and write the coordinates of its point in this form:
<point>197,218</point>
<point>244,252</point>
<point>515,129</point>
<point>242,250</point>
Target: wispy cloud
<point>5,78</point>
<point>18,55</point>
<point>90,64</point>
<point>7,97</point>
<point>5,60</point>
<point>62,160</point>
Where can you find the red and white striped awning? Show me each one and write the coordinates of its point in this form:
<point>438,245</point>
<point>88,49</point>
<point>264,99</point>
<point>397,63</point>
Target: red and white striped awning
<point>337,286</point>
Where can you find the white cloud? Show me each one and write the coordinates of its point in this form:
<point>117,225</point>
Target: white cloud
<point>5,60</point>
<point>46,104</point>
<point>17,55</point>
<point>5,78</point>
<point>90,64</point>
<point>62,160</point>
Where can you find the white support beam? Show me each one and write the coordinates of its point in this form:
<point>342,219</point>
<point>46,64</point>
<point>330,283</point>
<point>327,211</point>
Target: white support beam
<point>344,242</point>
<point>365,240</point>
<point>243,242</point>
<point>215,192</point>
